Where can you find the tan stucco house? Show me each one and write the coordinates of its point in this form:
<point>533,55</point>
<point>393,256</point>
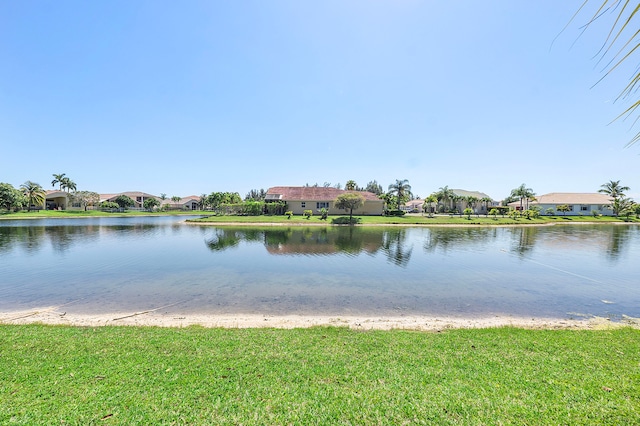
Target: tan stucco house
<point>56,200</point>
<point>301,198</point>
<point>137,196</point>
<point>192,202</point>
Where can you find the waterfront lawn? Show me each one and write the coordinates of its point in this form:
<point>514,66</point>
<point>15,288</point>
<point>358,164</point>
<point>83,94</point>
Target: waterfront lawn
<point>410,220</point>
<point>132,375</point>
<point>41,214</point>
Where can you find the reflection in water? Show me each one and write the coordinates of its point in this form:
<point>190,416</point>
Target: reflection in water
<point>62,238</point>
<point>300,241</point>
<point>619,237</point>
<point>524,239</point>
<point>395,247</point>
<point>444,239</point>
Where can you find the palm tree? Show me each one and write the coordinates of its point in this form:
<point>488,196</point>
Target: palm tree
<point>350,185</point>
<point>613,189</point>
<point>67,184</point>
<point>620,44</point>
<point>455,200</point>
<point>203,201</point>
<point>401,189</point>
<point>445,195</point>
<point>472,202</point>
<point>428,203</point>
<point>486,201</point>
<point>34,193</point>
<point>58,179</point>
<point>522,192</point>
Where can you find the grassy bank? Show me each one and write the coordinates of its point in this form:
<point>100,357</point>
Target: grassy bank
<point>332,220</point>
<point>411,220</point>
<point>41,214</point>
<point>129,375</point>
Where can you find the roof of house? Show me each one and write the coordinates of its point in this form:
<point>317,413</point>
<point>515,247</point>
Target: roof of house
<point>312,193</point>
<point>55,193</point>
<point>130,194</point>
<point>465,193</point>
<point>571,198</point>
<point>183,200</point>
<point>414,203</point>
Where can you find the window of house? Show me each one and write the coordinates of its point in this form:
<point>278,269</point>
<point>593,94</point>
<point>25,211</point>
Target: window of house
<point>138,199</point>
<point>322,205</point>
<point>303,204</point>
<point>584,208</point>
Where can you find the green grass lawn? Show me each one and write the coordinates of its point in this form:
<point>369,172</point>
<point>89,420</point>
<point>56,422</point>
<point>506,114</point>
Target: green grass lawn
<point>315,220</point>
<point>414,220</point>
<point>89,213</point>
<point>133,375</point>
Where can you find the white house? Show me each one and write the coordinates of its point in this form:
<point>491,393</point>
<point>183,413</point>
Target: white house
<point>578,203</point>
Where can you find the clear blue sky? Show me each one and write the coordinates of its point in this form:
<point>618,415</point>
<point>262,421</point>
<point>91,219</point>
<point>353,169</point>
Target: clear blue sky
<point>190,97</point>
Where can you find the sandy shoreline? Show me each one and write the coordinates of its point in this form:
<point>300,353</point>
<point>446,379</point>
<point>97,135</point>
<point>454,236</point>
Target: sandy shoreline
<point>58,316</point>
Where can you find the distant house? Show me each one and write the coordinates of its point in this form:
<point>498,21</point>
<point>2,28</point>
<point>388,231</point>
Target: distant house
<point>191,202</point>
<point>301,198</point>
<point>579,203</point>
<point>462,203</point>
<point>56,200</point>
<point>413,205</point>
<point>137,197</point>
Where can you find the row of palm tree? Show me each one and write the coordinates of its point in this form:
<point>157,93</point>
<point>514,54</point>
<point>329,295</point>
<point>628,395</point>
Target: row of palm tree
<point>64,182</point>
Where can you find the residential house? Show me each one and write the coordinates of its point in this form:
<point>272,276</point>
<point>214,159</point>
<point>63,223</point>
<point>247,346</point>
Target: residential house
<point>579,203</point>
<point>137,197</point>
<point>301,198</point>
<point>191,202</point>
<point>461,203</point>
<point>56,200</point>
<point>414,206</point>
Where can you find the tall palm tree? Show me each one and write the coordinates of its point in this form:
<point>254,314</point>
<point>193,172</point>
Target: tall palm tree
<point>350,185</point>
<point>67,184</point>
<point>616,191</point>
<point>401,189</point>
<point>58,179</point>
<point>522,192</point>
<point>445,195</point>
<point>472,201</point>
<point>613,189</point>
<point>486,201</point>
<point>428,203</point>
<point>34,193</point>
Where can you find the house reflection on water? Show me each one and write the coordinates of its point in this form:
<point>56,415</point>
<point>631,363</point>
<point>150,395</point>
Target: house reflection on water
<point>315,241</point>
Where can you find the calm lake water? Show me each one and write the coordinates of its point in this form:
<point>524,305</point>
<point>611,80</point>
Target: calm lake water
<point>105,265</point>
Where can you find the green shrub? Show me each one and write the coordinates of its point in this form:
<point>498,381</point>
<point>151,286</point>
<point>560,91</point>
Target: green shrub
<point>395,213</point>
<point>494,213</point>
<point>308,213</point>
<point>468,212</point>
<point>109,205</point>
<point>324,213</point>
<point>289,214</point>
